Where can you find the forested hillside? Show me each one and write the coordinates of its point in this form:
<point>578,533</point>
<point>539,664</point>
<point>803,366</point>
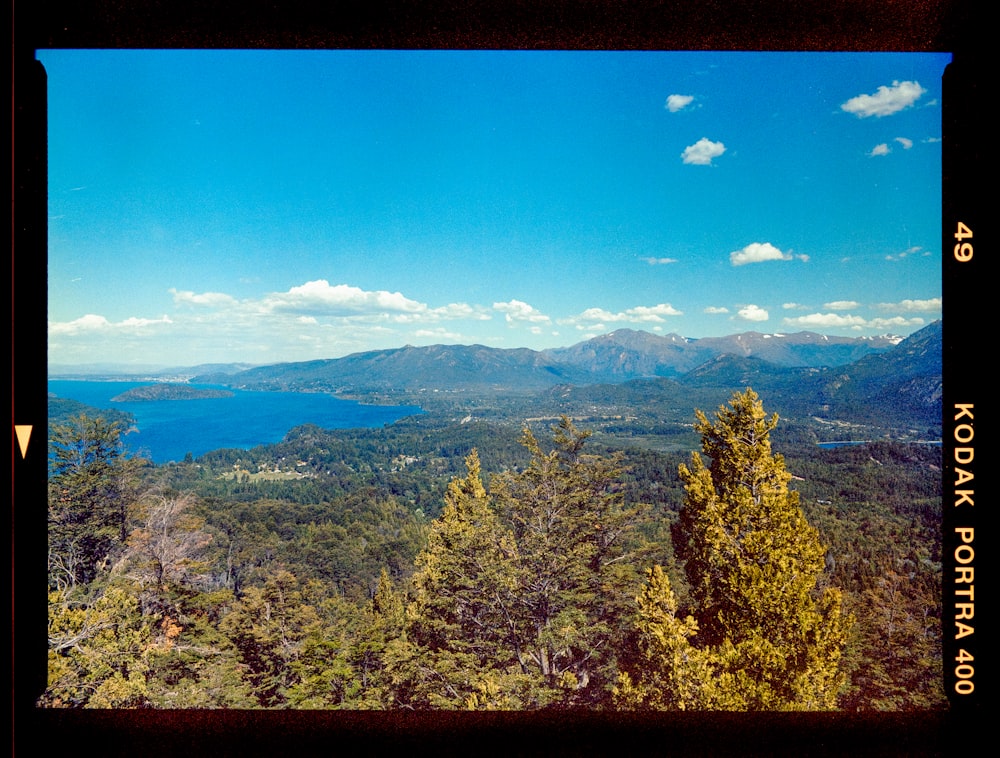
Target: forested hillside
<point>462,560</point>
<point>620,356</point>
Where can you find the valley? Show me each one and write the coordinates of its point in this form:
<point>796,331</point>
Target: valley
<point>280,573</point>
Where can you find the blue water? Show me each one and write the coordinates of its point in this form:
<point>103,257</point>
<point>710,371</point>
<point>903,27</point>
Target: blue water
<point>169,429</point>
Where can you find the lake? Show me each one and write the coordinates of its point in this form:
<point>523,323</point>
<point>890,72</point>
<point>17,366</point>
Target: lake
<point>169,429</point>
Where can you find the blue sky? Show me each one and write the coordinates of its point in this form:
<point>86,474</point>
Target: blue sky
<point>277,206</point>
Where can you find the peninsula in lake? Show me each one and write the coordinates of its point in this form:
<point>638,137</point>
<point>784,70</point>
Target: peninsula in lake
<point>164,391</point>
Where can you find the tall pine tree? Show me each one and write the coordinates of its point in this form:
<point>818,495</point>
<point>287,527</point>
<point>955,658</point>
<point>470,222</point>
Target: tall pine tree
<point>575,537</point>
<point>464,589</point>
<point>771,638</point>
<point>521,593</point>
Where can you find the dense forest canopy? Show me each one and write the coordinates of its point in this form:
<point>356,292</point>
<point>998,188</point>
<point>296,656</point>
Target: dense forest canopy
<point>464,560</point>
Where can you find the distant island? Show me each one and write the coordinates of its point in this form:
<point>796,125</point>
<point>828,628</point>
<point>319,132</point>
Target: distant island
<point>164,391</point>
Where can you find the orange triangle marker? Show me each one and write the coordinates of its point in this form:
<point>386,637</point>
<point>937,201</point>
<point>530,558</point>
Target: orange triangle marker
<point>23,435</point>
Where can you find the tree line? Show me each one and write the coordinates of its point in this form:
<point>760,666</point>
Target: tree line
<point>545,585</point>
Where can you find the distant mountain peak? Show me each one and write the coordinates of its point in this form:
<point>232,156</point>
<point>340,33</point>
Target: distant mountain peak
<point>618,356</point>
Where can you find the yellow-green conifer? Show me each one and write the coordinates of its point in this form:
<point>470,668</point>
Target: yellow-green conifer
<point>760,631</point>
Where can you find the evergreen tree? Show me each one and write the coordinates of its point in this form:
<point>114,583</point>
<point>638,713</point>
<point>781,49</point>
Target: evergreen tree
<point>668,673</point>
<point>771,639</point>
<point>98,650</point>
<point>464,588</point>
<point>268,626</point>
<point>327,674</point>
<point>574,534</point>
<point>521,593</point>
<point>92,488</point>
<point>380,636</point>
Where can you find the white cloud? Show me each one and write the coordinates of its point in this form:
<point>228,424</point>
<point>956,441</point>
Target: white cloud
<point>517,310</point>
<point>210,299</point>
<point>341,301</point>
<point>640,314</point>
<point>133,322</point>
<point>443,334</point>
<point>793,306</point>
<point>88,323</point>
<point>702,152</point>
<point>714,309</point>
<point>258,331</point>
<point>753,313</point>
<point>757,252</point>
<point>319,297</point>
<point>678,102</point>
<point>896,321</point>
<point>659,261</point>
<point>879,150</point>
<point>461,310</point>
<point>598,314</point>
<point>906,143</point>
<point>92,323</point>
<point>914,306</point>
<point>651,313</point>
<point>316,318</point>
<point>842,305</point>
<point>906,253</point>
<point>885,101</point>
<point>826,320</point>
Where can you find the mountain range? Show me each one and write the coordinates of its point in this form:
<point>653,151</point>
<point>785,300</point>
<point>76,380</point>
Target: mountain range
<point>829,370</point>
<point>629,354</point>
